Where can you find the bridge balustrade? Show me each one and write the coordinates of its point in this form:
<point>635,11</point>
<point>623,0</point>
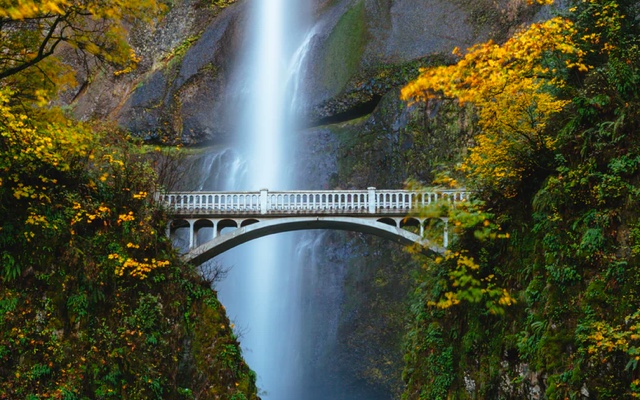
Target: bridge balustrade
<point>264,202</point>
<point>381,212</point>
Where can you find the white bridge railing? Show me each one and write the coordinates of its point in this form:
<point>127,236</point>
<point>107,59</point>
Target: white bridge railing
<point>265,202</point>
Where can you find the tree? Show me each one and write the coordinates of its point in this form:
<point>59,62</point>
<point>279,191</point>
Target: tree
<point>32,32</point>
<point>513,87</point>
<point>559,110</point>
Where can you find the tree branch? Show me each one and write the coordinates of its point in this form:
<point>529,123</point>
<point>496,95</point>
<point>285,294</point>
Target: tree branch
<point>44,50</point>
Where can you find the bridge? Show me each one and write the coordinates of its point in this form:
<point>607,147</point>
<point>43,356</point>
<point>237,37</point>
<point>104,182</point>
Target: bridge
<point>219,221</point>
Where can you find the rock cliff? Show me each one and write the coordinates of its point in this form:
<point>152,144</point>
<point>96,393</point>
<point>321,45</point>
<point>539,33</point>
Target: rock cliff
<point>361,52</point>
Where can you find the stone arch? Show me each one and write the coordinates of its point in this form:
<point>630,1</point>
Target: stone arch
<point>178,232</point>
<point>388,221</point>
<point>203,231</point>
<point>434,230</point>
<point>267,227</point>
<point>248,222</point>
<point>225,223</point>
<point>412,225</point>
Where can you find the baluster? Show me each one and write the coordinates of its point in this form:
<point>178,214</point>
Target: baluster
<point>191,233</point>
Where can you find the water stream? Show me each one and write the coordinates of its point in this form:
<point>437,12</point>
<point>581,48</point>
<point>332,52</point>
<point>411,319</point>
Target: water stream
<point>262,290</point>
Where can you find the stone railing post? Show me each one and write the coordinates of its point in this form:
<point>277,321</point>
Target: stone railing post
<point>445,237</point>
<point>372,199</point>
<point>264,195</point>
<point>192,238</point>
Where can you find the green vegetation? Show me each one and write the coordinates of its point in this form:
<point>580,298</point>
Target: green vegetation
<point>94,301</point>
<point>539,289</point>
<point>345,47</point>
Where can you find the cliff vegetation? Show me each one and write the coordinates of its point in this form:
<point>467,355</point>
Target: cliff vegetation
<point>537,296</point>
<point>94,301</point>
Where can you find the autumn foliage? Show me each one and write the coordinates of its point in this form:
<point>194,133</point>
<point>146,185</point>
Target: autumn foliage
<point>513,87</point>
<point>94,301</point>
<point>555,166</point>
<point>33,33</point>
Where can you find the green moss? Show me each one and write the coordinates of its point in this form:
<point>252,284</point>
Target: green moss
<point>177,53</point>
<point>374,82</point>
<point>345,47</point>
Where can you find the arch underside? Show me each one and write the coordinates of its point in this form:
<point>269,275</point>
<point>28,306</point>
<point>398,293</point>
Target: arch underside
<point>267,227</point>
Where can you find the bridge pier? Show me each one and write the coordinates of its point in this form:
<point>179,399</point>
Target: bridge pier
<point>445,238</point>
<point>264,201</point>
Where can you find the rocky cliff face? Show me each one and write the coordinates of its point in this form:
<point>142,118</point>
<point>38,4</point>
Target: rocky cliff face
<point>182,87</point>
<point>358,134</point>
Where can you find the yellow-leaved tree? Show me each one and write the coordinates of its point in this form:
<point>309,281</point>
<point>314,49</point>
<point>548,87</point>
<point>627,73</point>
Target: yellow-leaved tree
<point>513,88</point>
<point>32,33</point>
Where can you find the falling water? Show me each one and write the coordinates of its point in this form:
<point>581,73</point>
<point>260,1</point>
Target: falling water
<point>261,292</point>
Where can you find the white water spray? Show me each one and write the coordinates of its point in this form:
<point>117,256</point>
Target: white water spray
<point>262,291</point>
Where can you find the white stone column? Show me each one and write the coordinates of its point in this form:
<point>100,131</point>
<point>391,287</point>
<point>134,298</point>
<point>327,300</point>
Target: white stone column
<point>372,199</point>
<point>445,240</point>
<point>191,233</point>
<point>264,195</point>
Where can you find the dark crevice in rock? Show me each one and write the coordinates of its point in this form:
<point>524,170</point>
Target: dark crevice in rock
<point>356,111</point>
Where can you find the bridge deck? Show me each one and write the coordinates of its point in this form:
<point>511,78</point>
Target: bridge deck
<point>256,214</point>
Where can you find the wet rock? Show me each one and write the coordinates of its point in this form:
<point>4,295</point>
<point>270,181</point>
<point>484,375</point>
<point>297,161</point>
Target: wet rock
<point>183,88</point>
<point>184,100</point>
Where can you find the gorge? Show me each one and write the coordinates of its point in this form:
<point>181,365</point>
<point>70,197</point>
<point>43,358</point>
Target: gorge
<point>117,117</point>
<point>345,61</point>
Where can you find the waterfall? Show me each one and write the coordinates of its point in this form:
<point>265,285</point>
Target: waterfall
<point>262,290</point>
